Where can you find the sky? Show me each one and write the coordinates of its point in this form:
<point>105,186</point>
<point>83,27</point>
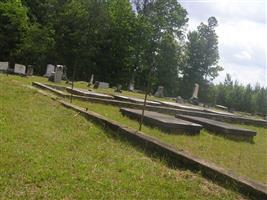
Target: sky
<point>242,32</point>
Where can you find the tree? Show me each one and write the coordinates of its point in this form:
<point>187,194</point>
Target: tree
<point>14,25</point>
<point>202,57</point>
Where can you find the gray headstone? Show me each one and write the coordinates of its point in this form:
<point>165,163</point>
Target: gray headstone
<point>159,92</point>
<point>92,79</point>
<point>99,84</point>
<point>195,92</point>
<point>131,86</point>
<point>20,69</point>
<point>29,70</point>
<point>3,66</point>
<point>179,99</point>
<point>58,73</point>
<point>49,69</point>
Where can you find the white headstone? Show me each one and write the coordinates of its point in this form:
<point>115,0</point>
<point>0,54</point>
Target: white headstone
<point>92,79</point>
<point>195,92</point>
<point>49,69</point>
<point>58,73</point>
<point>131,86</point>
<point>3,66</point>
<point>20,69</point>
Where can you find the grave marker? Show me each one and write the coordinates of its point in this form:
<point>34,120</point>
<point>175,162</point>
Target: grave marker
<point>20,69</point>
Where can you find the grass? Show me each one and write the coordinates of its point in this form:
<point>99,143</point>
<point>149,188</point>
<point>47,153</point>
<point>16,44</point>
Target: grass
<point>49,152</point>
<point>243,158</point>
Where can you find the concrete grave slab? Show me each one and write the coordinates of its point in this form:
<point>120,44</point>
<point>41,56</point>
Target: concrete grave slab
<point>165,122</point>
<point>220,127</point>
<point>87,93</point>
<point>136,100</point>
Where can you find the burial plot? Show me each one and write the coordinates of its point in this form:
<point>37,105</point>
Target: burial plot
<point>162,121</point>
<point>86,93</point>
<point>136,100</point>
<point>220,127</point>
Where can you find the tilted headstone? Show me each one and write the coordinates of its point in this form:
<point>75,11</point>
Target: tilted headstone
<point>159,92</point>
<point>29,70</point>
<point>49,69</point>
<point>3,66</point>
<point>20,69</point>
<point>58,73</point>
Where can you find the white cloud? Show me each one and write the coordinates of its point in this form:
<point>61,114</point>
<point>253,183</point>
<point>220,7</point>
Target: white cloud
<point>242,34</point>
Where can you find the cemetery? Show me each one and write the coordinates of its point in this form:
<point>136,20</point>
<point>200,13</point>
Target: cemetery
<point>127,100</point>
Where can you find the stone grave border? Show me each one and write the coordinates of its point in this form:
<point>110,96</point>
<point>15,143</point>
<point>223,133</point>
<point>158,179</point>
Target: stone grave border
<point>160,109</point>
<point>175,158</point>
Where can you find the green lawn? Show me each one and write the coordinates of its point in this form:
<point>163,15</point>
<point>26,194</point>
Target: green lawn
<point>49,152</point>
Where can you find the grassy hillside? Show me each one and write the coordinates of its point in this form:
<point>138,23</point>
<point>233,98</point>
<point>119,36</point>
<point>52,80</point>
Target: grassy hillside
<point>50,152</point>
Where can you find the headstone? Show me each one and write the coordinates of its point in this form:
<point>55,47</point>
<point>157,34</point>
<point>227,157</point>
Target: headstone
<point>29,70</point>
<point>194,98</point>
<point>52,76</point>
<point>92,79</point>
<point>159,92</point>
<point>99,84</point>
<point>19,69</point>
<point>118,88</point>
<point>3,66</point>
<point>265,118</point>
<point>131,86</point>
<point>49,69</point>
<point>58,73</point>
<point>179,99</point>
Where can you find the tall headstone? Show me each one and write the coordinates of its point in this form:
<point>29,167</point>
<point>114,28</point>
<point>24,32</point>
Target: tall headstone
<point>29,70</point>
<point>3,66</point>
<point>195,92</point>
<point>49,69</point>
<point>159,92</point>
<point>20,69</point>
<point>92,79</point>
<point>194,98</point>
<point>131,86</point>
<point>58,73</point>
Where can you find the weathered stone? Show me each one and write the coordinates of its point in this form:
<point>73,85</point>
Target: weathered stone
<point>49,69</point>
<point>3,66</point>
<point>221,107</point>
<point>86,93</point>
<point>58,73</point>
<point>29,70</point>
<point>159,92</point>
<point>194,98</point>
<point>179,99</point>
<point>220,127</point>
<point>163,121</point>
<point>20,69</point>
<point>118,88</point>
<point>99,84</point>
<point>136,100</point>
<point>131,86</point>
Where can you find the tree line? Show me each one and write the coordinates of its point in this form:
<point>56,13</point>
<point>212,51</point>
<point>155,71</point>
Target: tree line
<point>119,41</point>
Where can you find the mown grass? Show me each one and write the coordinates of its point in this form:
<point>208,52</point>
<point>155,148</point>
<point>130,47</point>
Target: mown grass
<point>246,159</point>
<point>49,152</point>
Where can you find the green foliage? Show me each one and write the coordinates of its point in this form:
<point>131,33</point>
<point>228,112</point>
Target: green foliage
<point>241,98</point>
<point>14,26</point>
<point>202,57</point>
